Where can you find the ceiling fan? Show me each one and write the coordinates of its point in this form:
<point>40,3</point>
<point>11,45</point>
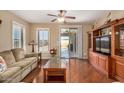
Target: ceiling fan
<point>61,16</point>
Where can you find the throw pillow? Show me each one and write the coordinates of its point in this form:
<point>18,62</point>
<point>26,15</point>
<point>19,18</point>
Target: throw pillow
<point>3,65</point>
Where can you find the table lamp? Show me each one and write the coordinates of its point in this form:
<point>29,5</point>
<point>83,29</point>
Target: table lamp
<point>32,43</point>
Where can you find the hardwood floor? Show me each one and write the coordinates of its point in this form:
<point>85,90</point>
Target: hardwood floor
<point>78,71</point>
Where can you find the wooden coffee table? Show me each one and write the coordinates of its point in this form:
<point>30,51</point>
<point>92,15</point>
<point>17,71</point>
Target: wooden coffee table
<point>55,70</point>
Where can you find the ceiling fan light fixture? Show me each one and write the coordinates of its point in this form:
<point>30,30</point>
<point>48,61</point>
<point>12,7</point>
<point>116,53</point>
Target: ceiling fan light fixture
<point>61,19</point>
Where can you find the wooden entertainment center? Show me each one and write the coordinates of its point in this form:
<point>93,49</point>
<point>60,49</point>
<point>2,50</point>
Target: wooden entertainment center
<point>106,49</point>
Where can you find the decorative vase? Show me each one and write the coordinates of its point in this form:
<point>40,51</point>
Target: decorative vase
<point>53,51</point>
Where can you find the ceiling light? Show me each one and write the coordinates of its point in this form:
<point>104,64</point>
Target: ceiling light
<point>61,19</point>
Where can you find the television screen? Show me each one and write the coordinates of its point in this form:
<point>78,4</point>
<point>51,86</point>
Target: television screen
<point>106,44</point>
<point>98,44</point>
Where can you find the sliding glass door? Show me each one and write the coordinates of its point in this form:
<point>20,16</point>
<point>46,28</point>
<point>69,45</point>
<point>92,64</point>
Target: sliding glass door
<point>68,44</point>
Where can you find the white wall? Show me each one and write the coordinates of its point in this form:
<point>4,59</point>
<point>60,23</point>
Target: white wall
<point>86,28</point>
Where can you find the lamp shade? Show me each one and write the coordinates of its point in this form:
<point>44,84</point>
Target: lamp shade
<point>32,43</point>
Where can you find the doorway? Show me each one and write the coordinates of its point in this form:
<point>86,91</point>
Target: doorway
<point>68,45</point>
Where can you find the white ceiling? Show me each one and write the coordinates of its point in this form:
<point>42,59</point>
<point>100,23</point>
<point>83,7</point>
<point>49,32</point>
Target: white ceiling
<point>40,16</point>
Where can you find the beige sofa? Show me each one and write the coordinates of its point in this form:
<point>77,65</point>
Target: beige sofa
<point>19,65</point>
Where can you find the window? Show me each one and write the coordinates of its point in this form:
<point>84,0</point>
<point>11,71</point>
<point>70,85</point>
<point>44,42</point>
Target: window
<point>18,35</point>
<point>43,40</point>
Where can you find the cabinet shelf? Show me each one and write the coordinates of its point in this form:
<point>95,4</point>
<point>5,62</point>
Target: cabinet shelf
<point>119,40</point>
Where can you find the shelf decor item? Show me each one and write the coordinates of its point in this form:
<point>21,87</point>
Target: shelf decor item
<point>32,43</point>
<point>108,18</point>
<point>53,51</point>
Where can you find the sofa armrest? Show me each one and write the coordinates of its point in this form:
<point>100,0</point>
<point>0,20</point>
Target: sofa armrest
<point>31,55</point>
<point>38,55</point>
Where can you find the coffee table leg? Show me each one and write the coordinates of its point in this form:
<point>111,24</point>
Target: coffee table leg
<point>45,75</point>
<point>65,75</point>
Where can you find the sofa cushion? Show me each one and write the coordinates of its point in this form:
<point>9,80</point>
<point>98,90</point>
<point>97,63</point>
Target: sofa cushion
<point>21,64</point>
<point>31,59</point>
<point>8,73</point>
<point>3,65</point>
<point>8,57</point>
<point>18,53</point>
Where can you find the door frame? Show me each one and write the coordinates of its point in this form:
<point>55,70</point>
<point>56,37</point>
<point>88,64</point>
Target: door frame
<point>60,41</point>
<point>79,27</point>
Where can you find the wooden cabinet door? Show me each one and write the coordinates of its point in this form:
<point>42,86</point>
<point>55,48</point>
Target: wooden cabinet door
<point>103,61</point>
<point>119,69</point>
<point>100,62</point>
<point>94,59</point>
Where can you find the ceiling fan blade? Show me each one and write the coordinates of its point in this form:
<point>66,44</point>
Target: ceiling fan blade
<point>52,15</point>
<point>53,20</point>
<point>71,17</point>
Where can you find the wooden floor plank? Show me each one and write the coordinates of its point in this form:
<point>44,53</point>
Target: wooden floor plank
<point>78,71</point>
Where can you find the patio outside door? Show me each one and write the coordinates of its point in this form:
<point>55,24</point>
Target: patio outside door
<point>68,37</point>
